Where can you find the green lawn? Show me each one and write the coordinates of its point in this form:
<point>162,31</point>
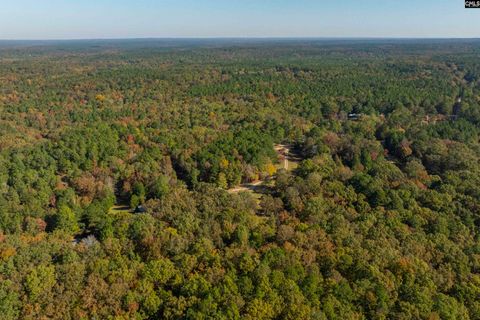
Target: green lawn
<point>120,209</point>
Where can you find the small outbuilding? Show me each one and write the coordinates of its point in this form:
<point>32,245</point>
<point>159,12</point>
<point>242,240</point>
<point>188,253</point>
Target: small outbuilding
<point>355,116</point>
<point>140,209</point>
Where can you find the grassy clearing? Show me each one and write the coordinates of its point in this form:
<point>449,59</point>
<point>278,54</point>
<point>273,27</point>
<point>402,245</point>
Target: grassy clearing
<point>120,209</point>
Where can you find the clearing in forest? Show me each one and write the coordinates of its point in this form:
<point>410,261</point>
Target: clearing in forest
<point>289,161</point>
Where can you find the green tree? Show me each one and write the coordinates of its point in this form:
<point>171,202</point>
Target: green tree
<point>66,220</point>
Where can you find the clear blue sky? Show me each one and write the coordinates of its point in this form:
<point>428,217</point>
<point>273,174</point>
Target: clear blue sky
<point>74,19</point>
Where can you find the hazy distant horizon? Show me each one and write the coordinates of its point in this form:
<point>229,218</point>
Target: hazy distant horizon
<point>127,19</point>
<point>260,38</point>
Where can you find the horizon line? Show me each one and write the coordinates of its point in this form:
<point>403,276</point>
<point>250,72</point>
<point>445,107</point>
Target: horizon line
<point>250,38</point>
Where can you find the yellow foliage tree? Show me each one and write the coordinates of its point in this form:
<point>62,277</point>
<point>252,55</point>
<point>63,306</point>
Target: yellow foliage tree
<point>100,97</point>
<point>270,169</point>
<point>224,163</point>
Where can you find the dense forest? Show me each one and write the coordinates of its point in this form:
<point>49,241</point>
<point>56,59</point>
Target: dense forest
<point>117,161</point>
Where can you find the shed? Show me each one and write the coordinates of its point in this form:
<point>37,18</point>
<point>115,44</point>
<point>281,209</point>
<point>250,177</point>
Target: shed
<point>354,116</point>
<point>140,209</point>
